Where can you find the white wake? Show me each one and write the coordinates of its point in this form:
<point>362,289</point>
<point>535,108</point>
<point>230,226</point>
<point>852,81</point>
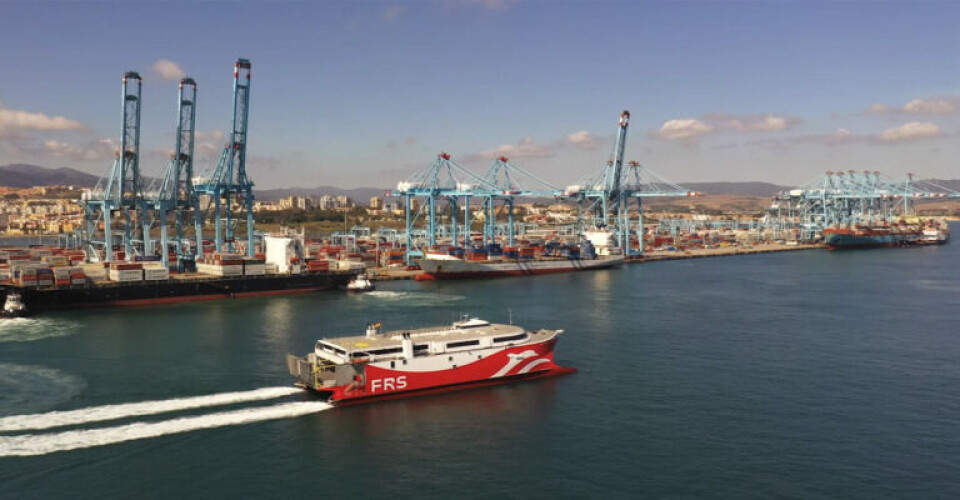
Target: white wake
<point>126,410</point>
<point>43,444</point>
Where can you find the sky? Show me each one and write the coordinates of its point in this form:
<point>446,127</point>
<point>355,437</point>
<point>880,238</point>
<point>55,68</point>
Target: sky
<point>366,94</point>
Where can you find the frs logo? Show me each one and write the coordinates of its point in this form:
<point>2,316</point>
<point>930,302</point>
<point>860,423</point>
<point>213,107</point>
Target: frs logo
<point>388,384</point>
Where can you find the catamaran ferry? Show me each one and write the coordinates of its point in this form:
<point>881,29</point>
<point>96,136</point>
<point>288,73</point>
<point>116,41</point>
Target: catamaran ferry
<point>401,363</point>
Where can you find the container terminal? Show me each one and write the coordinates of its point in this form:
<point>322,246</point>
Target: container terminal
<point>143,242</point>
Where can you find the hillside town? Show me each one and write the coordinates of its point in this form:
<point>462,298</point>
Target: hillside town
<point>52,210</point>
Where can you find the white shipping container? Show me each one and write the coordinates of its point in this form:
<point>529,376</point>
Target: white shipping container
<point>78,281</point>
<point>126,275</point>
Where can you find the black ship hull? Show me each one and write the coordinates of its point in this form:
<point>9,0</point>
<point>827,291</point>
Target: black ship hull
<point>179,289</point>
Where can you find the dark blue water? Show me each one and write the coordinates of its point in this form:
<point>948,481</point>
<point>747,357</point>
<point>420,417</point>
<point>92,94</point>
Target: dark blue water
<point>808,374</point>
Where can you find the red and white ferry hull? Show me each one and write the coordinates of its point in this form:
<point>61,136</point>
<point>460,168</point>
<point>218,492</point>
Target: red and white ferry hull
<point>444,373</point>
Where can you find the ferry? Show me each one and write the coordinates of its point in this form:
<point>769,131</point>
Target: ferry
<point>401,363</point>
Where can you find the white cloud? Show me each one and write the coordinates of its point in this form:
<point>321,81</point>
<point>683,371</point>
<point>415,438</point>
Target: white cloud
<point>213,135</point>
<point>101,150</point>
<point>168,70</point>
<point>13,120</point>
<point>583,139</point>
<point>526,148</point>
<point>688,128</point>
<point>910,131</point>
<point>939,106</point>
<point>673,130</point>
<point>483,4</point>
<point>766,122</point>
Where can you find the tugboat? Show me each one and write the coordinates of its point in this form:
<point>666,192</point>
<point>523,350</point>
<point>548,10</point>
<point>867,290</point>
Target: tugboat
<point>403,363</point>
<point>14,307</point>
<point>361,283</point>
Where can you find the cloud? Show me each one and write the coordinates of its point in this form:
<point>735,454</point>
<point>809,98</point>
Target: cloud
<point>101,150</point>
<point>482,4</point>
<point>392,13</point>
<point>689,128</point>
<point>673,130</point>
<point>935,107</point>
<point>206,151</point>
<point>525,148</point>
<point>583,139</point>
<point>13,121</point>
<point>168,70</point>
<point>213,135</point>
<point>837,137</point>
<point>911,131</point>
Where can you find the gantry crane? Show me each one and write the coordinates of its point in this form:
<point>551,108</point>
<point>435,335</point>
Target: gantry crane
<point>228,186</point>
<point>607,200</point>
<point>120,190</point>
<point>444,180</point>
<point>177,192</point>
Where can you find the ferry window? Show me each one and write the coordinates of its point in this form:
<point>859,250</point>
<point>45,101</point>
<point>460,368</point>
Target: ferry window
<point>325,347</point>
<point>390,350</point>
<point>465,343</point>
<point>359,355</point>
<point>340,352</point>
<point>393,364</point>
<point>510,338</point>
<point>421,347</point>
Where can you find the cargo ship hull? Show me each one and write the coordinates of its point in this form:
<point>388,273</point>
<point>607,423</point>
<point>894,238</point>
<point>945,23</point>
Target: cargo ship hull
<point>140,293</point>
<point>434,269</point>
<point>842,239</point>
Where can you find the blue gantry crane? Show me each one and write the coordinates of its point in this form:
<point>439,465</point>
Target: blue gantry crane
<point>850,198</point>
<point>444,181</point>
<point>176,193</point>
<point>228,186</point>
<point>121,190</point>
<point>508,182</point>
<point>610,199</point>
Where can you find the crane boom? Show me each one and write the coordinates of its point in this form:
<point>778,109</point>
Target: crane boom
<point>614,182</point>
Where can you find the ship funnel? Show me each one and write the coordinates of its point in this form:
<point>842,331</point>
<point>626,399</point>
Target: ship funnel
<point>407,345</point>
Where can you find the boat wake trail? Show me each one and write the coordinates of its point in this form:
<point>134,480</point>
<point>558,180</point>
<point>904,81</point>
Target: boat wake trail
<point>410,299</point>
<point>43,444</point>
<point>30,329</point>
<point>126,410</point>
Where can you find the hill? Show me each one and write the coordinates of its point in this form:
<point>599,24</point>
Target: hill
<point>25,176</point>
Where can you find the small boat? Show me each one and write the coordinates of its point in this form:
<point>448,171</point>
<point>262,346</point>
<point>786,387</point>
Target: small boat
<point>361,283</point>
<point>13,307</point>
<point>403,363</point>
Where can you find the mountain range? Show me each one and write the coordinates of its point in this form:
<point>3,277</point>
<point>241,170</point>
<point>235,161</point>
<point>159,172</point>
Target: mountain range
<point>24,176</point>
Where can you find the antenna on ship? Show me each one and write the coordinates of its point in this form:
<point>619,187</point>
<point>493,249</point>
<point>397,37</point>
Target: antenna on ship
<point>510,311</point>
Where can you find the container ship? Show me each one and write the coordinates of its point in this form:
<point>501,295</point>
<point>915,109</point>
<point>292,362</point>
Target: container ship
<point>52,278</point>
<point>896,235</point>
<point>394,364</point>
<point>448,262</point>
